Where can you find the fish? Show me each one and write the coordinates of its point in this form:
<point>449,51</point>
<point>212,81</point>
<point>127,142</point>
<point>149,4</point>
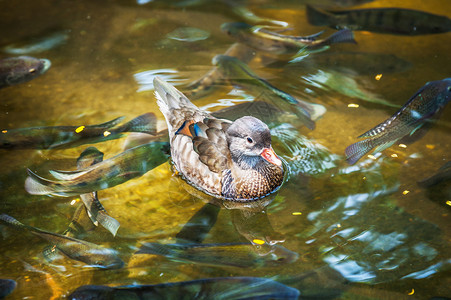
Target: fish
<point>94,208</point>
<point>7,286</point>
<point>423,107</point>
<point>222,288</point>
<point>381,20</point>
<point>241,255</point>
<point>352,62</point>
<point>129,164</point>
<point>58,137</point>
<point>45,42</point>
<point>443,174</point>
<point>86,252</point>
<point>238,73</point>
<point>96,212</point>
<point>259,38</point>
<point>198,226</point>
<point>188,34</point>
<point>16,70</point>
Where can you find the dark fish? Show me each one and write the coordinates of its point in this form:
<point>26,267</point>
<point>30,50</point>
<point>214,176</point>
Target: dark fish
<point>262,39</point>
<point>383,20</point>
<point>225,288</point>
<point>96,212</point>
<point>129,164</point>
<point>426,105</point>
<point>264,111</point>
<point>240,74</point>
<point>88,253</point>
<point>7,286</point>
<point>198,226</point>
<point>443,174</point>
<point>71,136</point>
<point>241,255</point>
<point>15,70</point>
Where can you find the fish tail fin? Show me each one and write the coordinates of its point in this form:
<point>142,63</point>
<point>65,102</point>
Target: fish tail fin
<point>342,36</point>
<point>36,185</point>
<point>318,17</point>
<point>154,248</point>
<point>146,123</point>
<point>355,151</point>
<point>11,221</point>
<point>51,253</point>
<point>109,223</point>
<point>304,116</point>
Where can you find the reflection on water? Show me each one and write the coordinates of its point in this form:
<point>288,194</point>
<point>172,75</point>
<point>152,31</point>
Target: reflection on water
<point>378,229</point>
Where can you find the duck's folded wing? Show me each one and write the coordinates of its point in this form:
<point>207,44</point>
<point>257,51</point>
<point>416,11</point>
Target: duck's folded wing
<point>212,149</point>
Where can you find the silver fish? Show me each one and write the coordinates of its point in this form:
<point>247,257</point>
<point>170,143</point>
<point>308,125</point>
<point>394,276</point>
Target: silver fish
<point>89,253</point>
<point>129,164</point>
<point>426,105</point>
<point>96,212</point>
<point>241,255</point>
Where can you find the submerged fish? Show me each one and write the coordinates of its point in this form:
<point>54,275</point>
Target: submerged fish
<point>7,286</point>
<point>129,164</point>
<point>362,63</point>
<point>70,136</point>
<point>88,253</point>
<point>426,105</point>
<point>383,20</point>
<point>443,174</point>
<point>39,44</point>
<point>241,255</point>
<point>240,74</point>
<point>262,39</point>
<point>225,288</point>
<point>15,70</point>
<point>96,212</point>
<point>188,34</point>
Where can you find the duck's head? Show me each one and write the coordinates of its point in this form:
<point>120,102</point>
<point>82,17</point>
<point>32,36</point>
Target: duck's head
<point>249,142</point>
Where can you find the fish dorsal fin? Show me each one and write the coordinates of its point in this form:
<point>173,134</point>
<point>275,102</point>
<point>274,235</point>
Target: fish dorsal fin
<point>108,124</point>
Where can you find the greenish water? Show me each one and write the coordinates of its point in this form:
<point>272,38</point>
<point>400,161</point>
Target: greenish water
<point>356,227</point>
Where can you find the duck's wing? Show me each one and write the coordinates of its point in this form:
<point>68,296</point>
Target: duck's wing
<point>209,142</point>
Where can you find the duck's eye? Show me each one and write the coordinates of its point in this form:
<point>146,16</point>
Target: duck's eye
<point>249,140</point>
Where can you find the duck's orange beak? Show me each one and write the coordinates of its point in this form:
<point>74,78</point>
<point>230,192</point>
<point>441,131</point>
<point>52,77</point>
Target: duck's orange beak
<point>270,155</point>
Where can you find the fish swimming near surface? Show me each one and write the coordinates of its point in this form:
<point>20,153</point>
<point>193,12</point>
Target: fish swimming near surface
<point>88,253</point>
<point>53,137</point>
<point>240,74</point>
<point>129,164</point>
<point>241,255</point>
<point>223,288</point>
<point>260,38</point>
<point>382,20</point>
<point>7,286</point>
<point>16,70</point>
<point>422,108</point>
<point>96,212</point>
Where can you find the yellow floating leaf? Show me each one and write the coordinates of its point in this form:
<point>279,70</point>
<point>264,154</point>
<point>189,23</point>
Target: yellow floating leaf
<point>402,145</point>
<point>80,129</point>
<point>405,192</point>
<point>448,202</point>
<point>106,133</point>
<point>378,76</point>
<point>258,241</point>
<point>4,131</point>
<point>411,292</point>
<point>353,105</point>
<point>296,213</point>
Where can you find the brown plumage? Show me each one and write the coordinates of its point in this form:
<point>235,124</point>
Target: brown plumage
<point>229,160</point>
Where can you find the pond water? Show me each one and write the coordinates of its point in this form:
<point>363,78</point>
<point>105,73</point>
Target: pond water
<point>366,231</point>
